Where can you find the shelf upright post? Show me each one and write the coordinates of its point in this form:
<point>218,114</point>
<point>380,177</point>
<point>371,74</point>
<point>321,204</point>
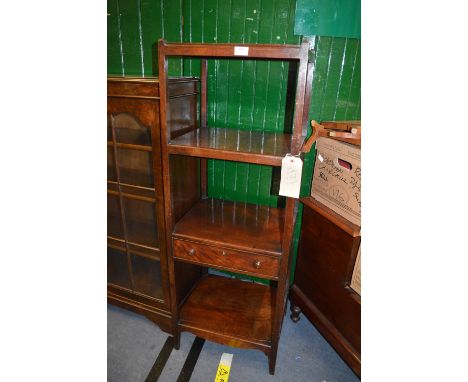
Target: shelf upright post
<point>165,137</point>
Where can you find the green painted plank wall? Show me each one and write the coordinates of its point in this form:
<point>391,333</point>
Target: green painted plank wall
<point>133,29</point>
<point>335,18</point>
<point>245,94</point>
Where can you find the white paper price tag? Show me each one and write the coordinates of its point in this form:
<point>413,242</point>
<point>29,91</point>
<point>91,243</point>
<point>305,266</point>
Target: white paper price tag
<point>291,172</point>
<point>241,51</point>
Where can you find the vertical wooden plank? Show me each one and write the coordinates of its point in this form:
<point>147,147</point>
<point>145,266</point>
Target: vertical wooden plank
<point>151,26</point>
<point>333,77</point>
<point>246,118</point>
<point>131,43</point>
<point>114,42</point>
<point>172,31</point>
<point>134,27</point>
<point>353,105</point>
<point>203,88</point>
<point>345,82</point>
<point>234,81</point>
<point>203,95</point>
<point>192,12</point>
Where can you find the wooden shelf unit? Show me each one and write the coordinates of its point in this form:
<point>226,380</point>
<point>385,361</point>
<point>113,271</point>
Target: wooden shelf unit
<point>204,233</point>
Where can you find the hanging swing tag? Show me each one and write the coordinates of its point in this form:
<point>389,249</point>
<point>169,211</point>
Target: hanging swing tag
<point>291,172</point>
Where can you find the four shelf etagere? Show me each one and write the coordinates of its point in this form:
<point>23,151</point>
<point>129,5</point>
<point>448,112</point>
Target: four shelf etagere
<point>203,232</point>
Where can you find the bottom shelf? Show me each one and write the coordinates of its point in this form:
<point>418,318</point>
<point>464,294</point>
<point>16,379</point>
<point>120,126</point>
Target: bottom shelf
<point>230,311</point>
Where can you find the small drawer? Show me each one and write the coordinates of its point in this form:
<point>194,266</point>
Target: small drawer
<point>228,259</point>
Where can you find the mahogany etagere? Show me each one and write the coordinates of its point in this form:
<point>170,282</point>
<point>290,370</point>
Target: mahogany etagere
<point>203,232</point>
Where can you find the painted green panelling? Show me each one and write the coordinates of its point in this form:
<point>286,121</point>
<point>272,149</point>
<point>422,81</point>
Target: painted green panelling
<point>245,94</point>
<point>133,30</point>
<point>334,18</point>
<point>114,45</point>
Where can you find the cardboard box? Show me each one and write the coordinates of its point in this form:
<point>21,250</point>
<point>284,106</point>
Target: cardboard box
<point>337,178</point>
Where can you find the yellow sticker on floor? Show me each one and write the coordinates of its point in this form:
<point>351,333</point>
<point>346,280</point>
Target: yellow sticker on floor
<point>224,368</point>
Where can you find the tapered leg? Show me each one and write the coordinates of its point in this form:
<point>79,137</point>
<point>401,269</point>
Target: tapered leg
<point>176,339</point>
<point>295,312</point>
<point>272,362</point>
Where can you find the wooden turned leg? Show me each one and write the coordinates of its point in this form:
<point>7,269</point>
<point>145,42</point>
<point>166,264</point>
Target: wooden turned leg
<point>295,312</point>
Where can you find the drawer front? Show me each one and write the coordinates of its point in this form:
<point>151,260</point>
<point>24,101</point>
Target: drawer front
<point>216,257</point>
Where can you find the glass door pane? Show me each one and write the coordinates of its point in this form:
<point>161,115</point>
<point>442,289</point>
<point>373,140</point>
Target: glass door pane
<point>147,276</point>
<point>140,219</point>
<point>117,268</point>
<point>111,174</point>
<point>114,219</point>
<point>136,167</point>
<point>128,129</point>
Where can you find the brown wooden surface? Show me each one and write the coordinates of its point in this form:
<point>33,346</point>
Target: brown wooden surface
<point>262,51</point>
<point>181,112</point>
<point>236,225</point>
<point>230,311</point>
<point>147,87</point>
<point>134,120</point>
<point>233,226</point>
<point>159,316</point>
<point>203,91</point>
<point>185,187</point>
<point>233,144</point>
<point>137,263</point>
<point>283,280</point>
<point>300,108</point>
<point>203,123</point>
<point>350,228</point>
<point>325,261</point>
<point>227,259</point>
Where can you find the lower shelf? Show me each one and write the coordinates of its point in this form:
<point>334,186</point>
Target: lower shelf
<point>231,312</point>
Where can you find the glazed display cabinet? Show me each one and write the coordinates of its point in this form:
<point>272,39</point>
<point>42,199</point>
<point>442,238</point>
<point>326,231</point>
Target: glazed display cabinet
<point>137,270</point>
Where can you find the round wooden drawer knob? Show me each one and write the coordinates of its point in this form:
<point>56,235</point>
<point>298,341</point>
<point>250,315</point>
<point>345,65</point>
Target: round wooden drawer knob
<point>191,252</point>
<point>257,264</point>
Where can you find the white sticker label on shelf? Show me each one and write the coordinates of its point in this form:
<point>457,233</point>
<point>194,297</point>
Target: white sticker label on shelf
<point>241,51</point>
<point>291,173</point>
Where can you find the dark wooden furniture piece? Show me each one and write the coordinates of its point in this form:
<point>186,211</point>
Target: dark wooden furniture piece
<point>203,232</point>
<point>327,252</point>
<point>137,273</point>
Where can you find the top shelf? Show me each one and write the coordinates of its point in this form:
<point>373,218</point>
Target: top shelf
<point>233,144</point>
<point>265,51</point>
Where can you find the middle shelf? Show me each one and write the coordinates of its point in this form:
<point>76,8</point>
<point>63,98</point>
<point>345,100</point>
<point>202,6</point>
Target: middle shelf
<point>233,144</point>
<point>237,225</point>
